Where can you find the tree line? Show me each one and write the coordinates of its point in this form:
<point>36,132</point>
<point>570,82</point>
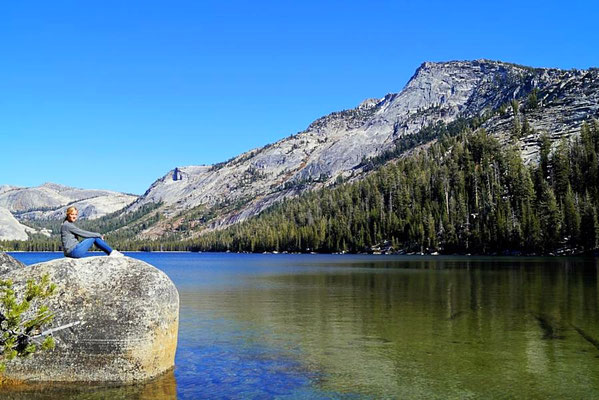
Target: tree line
<point>464,194</point>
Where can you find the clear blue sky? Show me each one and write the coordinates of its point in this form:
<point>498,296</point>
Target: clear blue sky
<point>113,94</point>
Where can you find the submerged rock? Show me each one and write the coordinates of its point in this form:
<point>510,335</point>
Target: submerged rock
<point>122,316</point>
<point>8,263</point>
<point>162,388</point>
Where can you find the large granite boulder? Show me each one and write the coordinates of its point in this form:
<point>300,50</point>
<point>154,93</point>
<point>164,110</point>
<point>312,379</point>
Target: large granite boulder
<point>8,263</point>
<point>122,315</point>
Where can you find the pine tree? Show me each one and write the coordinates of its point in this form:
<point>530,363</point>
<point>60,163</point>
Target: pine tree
<point>21,319</point>
<point>549,217</point>
<point>544,152</point>
<point>589,229</point>
<point>571,220</point>
<point>533,102</point>
<point>561,169</point>
<point>515,106</point>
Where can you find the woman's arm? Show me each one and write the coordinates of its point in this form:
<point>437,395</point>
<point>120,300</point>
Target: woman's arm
<point>83,233</point>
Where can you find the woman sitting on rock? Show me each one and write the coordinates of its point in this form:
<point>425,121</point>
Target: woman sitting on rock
<point>69,235</point>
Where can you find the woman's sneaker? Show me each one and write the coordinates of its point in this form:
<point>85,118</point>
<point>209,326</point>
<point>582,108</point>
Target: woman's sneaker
<point>116,253</point>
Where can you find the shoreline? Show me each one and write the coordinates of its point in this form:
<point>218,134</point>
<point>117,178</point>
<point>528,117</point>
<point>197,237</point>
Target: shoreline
<point>582,255</point>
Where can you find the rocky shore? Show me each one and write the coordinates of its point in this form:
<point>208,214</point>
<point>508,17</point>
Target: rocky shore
<point>116,320</point>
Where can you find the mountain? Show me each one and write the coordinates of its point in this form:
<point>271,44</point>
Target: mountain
<point>11,229</point>
<point>466,193</point>
<point>335,147</point>
<point>49,201</point>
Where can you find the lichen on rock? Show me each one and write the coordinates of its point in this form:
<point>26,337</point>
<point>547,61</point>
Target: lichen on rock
<point>8,263</point>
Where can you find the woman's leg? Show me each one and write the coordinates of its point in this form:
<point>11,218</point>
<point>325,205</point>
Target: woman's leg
<point>84,245</point>
<point>82,248</point>
<point>102,245</point>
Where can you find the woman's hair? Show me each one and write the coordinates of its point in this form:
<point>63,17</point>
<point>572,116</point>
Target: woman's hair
<point>70,210</point>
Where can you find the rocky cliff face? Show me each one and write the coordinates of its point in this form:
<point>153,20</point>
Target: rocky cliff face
<point>565,100</point>
<point>12,229</point>
<point>49,201</point>
<point>335,145</point>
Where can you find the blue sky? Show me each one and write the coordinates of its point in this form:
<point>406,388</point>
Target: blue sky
<point>113,94</point>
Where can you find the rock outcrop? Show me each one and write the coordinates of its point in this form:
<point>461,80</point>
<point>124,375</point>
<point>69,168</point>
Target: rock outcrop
<point>8,263</point>
<point>48,201</point>
<point>12,229</point>
<point>335,145</point>
<point>121,316</point>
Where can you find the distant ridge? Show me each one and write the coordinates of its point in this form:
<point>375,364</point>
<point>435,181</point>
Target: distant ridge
<point>48,201</point>
<point>11,229</point>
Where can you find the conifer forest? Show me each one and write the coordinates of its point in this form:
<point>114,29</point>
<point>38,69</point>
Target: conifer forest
<point>463,194</point>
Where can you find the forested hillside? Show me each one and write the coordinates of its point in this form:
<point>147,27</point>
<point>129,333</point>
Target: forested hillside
<point>464,194</point>
<point>506,99</point>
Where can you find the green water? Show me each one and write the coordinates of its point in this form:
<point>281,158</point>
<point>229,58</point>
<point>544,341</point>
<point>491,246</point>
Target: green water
<point>312,326</point>
<point>433,328</point>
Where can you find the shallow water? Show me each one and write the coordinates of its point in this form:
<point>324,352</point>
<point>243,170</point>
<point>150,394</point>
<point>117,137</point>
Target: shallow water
<point>328,326</point>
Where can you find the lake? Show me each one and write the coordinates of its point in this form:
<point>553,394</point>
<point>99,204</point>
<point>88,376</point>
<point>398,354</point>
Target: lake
<point>357,326</point>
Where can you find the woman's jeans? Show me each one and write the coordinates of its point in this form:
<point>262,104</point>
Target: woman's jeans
<point>84,245</point>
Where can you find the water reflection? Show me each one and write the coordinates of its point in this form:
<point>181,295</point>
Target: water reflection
<point>163,387</point>
<point>428,328</point>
